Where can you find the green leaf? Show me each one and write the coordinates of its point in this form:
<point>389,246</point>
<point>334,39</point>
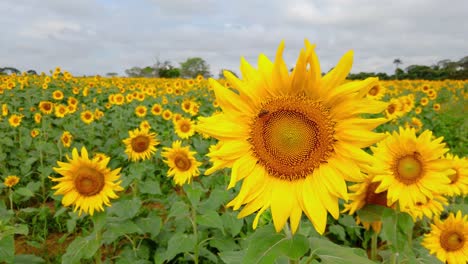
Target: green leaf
<point>7,249</point>
<point>331,253</point>
<point>296,246</point>
<point>180,243</point>
<point>231,223</point>
<point>23,191</point>
<point>178,210</point>
<point>194,193</point>
<point>81,248</point>
<point>118,229</point>
<point>30,259</point>
<point>211,219</point>
<point>125,209</point>
<point>149,186</point>
<point>223,243</point>
<point>265,245</point>
<point>339,231</point>
<point>232,257</point>
<point>371,213</point>
<point>150,224</point>
<point>396,228</point>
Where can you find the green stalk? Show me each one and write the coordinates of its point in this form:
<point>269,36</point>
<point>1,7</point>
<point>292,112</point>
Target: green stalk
<point>374,239</point>
<point>195,233</point>
<point>289,235</point>
<point>10,196</point>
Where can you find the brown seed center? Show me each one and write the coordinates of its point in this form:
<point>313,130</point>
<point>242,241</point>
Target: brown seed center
<point>452,240</point>
<point>291,136</point>
<point>373,91</point>
<point>140,143</point>
<point>409,169</point>
<point>182,162</point>
<point>375,198</point>
<point>89,181</point>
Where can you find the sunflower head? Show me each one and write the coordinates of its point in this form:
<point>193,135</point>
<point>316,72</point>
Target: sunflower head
<point>11,181</point>
<point>410,168</point>
<point>181,161</point>
<point>448,239</point>
<point>184,128</point>
<point>292,138</point>
<point>87,184</point>
<point>140,144</point>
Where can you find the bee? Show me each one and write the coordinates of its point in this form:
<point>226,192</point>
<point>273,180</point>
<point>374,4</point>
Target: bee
<point>263,113</point>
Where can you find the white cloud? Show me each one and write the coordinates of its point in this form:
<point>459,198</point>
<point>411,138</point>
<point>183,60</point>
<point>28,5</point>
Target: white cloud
<point>89,36</point>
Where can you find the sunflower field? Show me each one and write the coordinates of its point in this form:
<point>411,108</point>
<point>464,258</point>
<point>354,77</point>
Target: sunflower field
<point>275,166</point>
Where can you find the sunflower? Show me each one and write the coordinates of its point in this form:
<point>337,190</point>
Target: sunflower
<point>4,109</point>
<point>376,92</point>
<point>37,118</point>
<point>140,144</point>
<point>410,168</point>
<point>66,139</point>
<point>57,95</point>
<point>34,132</point>
<point>182,164</point>
<point>72,101</point>
<point>429,208</point>
<point>363,194</point>
<point>418,110</point>
<point>167,114</point>
<point>448,239</point>
<point>424,101</point>
<point>145,125</point>
<point>156,109</point>
<point>15,120</point>
<point>11,181</point>
<point>87,184</point>
<point>100,157</point>
<point>140,111</point>
<point>436,107</point>
<point>186,106</point>
<point>119,99</point>
<point>87,117</point>
<point>46,107</point>
<point>293,138</point>
<point>458,180</point>
<point>393,109</point>
<point>184,128</point>
<point>61,110</point>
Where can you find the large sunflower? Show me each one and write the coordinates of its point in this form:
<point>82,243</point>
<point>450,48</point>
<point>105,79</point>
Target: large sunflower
<point>182,164</point>
<point>410,168</point>
<point>293,138</point>
<point>448,239</point>
<point>140,144</point>
<point>86,183</point>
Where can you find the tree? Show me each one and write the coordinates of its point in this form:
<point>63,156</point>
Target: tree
<point>133,72</point>
<point>166,70</point>
<point>111,74</point>
<point>193,67</point>
<point>397,62</point>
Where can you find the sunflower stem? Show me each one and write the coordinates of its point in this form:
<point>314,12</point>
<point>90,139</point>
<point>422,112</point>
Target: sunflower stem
<point>10,196</point>
<point>374,239</point>
<point>289,235</point>
<point>98,229</point>
<point>195,233</point>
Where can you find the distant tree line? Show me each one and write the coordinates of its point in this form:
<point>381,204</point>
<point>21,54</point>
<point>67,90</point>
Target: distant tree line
<point>442,70</point>
<point>190,68</point>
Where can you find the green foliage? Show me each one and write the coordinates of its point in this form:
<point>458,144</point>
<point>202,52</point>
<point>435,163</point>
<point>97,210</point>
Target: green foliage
<point>193,67</point>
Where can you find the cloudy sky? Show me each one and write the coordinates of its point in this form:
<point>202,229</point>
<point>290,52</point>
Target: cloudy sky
<point>100,36</point>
